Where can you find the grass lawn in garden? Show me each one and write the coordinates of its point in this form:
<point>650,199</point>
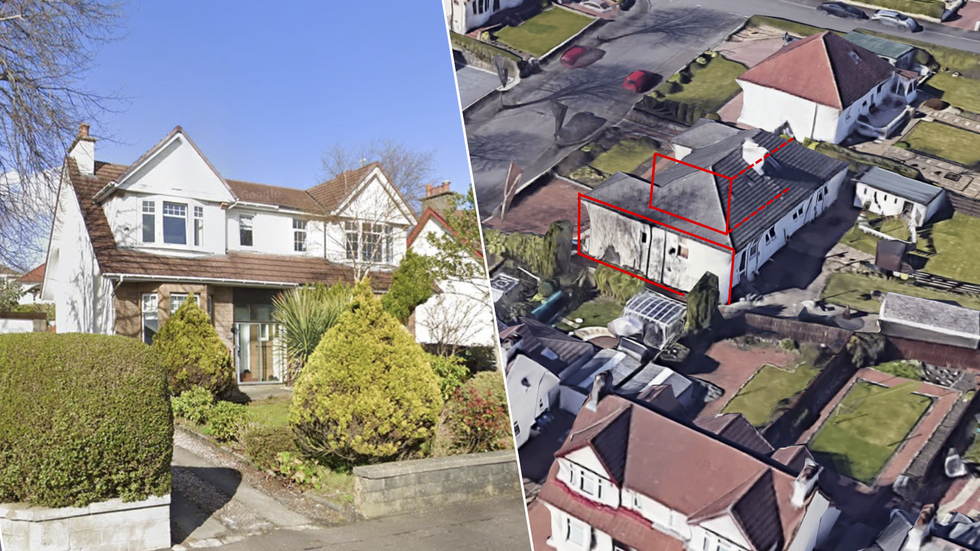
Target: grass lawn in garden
<point>768,389</point>
<point>854,290</point>
<point>272,412</point>
<point>625,156</point>
<point>866,242</point>
<point>711,85</point>
<point>945,141</point>
<point>544,32</point>
<point>955,240</point>
<point>596,313</point>
<point>959,91</point>
<point>862,433</point>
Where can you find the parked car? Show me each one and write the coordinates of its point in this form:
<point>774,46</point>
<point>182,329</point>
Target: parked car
<point>580,56</point>
<point>840,9</point>
<point>641,81</point>
<point>596,6</point>
<point>896,19</point>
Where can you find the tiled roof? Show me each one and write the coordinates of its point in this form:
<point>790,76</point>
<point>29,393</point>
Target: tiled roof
<point>735,428</point>
<point>331,194</point>
<point>794,457</point>
<point>823,68</point>
<point>754,489</point>
<point>34,276</point>
<point>274,195</point>
<point>431,214</point>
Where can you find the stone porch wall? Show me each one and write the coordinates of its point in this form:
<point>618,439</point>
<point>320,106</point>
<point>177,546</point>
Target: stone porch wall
<point>392,488</point>
<point>107,526</point>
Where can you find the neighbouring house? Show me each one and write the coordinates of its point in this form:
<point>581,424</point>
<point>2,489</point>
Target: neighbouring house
<point>133,242</point>
<point>532,390</point>
<point>825,88</point>
<point>30,283</point>
<point>466,15</point>
<point>899,54</point>
<point>559,353</point>
<point>925,532</point>
<point>460,314</point>
<point>929,320</point>
<point>788,186</point>
<point>616,485</point>
<point>884,192</point>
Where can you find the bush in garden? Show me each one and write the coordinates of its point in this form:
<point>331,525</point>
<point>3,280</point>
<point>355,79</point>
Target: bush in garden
<point>263,444</point>
<point>702,303</point>
<point>193,353</point>
<point>411,285</point>
<point>616,285</point>
<point>193,405</point>
<point>84,418</point>
<point>225,420</point>
<point>367,394</point>
<point>451,371</point>
<point>306,313</point>
<point>478,414</point>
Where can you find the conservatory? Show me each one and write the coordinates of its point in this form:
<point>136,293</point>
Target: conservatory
<point>661,318</point>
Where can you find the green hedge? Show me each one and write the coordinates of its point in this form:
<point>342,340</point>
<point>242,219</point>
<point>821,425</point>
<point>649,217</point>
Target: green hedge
<point>482,50</point>
<point>931,8</point>
<point>854,159</point>
<point>953,59</point>
<point>792,27</point>
<point>83,419</point>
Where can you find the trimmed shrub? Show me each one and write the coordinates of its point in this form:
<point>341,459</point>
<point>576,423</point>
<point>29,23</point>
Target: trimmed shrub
<point>451,371</point>
<point>411,285</point>
<point>225,420</point>
<point>702,303</point>
<point>902,145</point>
<point>367,394</point>
<point>85,418</point>
<point>193,405</point>
<point>478,415</point>
<point>263,444</point>
<point>615,284</point>
<point>193,353</point>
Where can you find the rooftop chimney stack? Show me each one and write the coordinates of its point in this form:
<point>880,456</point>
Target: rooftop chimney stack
<point>438,198</point>
<point>921,529</point>
<point>600,388</point>
<point>83,151</point>
<point>754,155</point>
<point>805,483</point>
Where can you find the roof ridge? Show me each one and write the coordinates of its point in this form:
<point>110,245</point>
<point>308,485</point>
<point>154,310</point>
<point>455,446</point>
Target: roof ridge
<point>830,63</point>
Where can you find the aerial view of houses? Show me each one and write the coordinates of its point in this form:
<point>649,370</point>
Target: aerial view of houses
<point>732,257</point>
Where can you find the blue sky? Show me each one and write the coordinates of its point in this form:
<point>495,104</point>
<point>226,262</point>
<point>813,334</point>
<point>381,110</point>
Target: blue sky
<point>265,88</point>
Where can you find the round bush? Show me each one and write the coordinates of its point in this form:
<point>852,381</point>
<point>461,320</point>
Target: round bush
<point>192,352</point>
<point>225,420</point>
<point>367,393</point>
<point>83,419</point>
<point>478,414</point>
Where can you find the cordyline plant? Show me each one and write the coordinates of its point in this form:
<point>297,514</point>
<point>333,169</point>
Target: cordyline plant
<point>305,314</point>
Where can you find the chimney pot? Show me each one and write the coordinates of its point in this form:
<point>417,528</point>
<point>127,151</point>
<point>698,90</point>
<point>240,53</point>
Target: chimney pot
<point>805,483</point>
<point>920,530</point>
<point>600,387</point>
<point>83,129</point>
<point>428,190</point>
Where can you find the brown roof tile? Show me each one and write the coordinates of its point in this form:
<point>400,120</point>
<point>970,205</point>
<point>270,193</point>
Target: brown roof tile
<point>735,428</point>
<point>34,276</point>
<point>274,195</point>
<point>823,68</point>
<point>331,194</point>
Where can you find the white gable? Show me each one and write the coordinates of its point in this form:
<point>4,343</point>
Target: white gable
<point>377,200</point>
<point>725,527</point>
<point>587,458</point>
<point>422,245</point>
<point>177,168</point>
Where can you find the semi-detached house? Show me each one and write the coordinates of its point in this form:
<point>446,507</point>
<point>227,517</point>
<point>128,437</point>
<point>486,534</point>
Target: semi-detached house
<point>132,242</point>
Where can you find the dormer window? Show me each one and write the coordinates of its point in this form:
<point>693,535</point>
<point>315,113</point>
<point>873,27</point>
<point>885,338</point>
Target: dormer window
<point>174,223</point>
<point>299,235</point>
<point>245,230</point>
<point>149,222</point>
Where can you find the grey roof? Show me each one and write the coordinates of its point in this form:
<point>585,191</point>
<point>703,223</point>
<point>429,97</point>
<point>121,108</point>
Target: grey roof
<point>896,184</point>
<point>879,46</point>
<point>653,374</point>
<point>703,197</point>
<point>857,537</point>
<point>893,536</point>
<point>619,364</point>
<point>705,132</point>
<point>930,314</point>
<point>538,336</point>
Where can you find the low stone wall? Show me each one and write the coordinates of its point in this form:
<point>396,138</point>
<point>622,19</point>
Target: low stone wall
<point>107,526</point>
<point>393,488</point>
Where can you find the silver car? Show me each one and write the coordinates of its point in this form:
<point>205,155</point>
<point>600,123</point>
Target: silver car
<point>896,19</point>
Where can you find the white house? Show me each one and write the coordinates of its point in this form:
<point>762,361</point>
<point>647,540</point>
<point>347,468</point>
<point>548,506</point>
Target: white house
<point>716,216</point>
<point>890,194</point>
<point>824,87</point>
<point>460,315</point>
<point>466,15</point>
<point>132,242</point>
<point>531,390</point>
<point>616,485</point>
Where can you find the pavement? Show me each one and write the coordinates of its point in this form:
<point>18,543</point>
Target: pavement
<point>474,83</point>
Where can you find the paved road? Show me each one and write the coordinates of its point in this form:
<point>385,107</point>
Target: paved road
<point>494,525</point>
<point>656,35</point>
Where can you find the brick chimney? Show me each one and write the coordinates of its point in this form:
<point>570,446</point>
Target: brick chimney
<point>438,198</point>
<point>804,484</point>
<point>600,388</point>
<point>83,150</point>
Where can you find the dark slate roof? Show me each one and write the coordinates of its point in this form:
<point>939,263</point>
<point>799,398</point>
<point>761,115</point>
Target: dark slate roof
<point>705,132</point>
<point>703,197</point>
<point>896,184</point>
<point>880,46</point>
<point>538,336</point>
<point>736,429</point>
<point>610,445</point>
<point>620,365</point>
<point>892,538</point>
<point>758,514</point>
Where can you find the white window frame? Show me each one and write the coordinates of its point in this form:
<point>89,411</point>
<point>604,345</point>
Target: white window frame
<point>149,311</point>
<point>148,211</point>
<point>245,223</point>
<point>573,527</point>
<point>198,226</point>
<point>171,205</point>
<point>175,304</point>
<point>587,478</point>
<point>299,235</point>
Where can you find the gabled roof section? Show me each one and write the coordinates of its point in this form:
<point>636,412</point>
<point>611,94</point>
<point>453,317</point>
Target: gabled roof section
<point>755,510</point>
<point>794,457</point>
<point>608,439</point>
<point>823,68</point>
<point>735,428</point>
<point>538,336</point>
<point>431,215</point>
<point>332,193</point>
<point>34,276</point>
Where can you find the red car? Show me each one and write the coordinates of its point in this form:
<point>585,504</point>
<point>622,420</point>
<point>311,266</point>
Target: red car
<point>580,56</point>
<point>640,81</point>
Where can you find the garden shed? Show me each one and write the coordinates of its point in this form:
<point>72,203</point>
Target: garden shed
<point>929,320</point>
<point>890,194</point>
<point>662,317</point>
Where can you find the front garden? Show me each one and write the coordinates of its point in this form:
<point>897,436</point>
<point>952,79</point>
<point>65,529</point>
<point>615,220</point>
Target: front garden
<point>698,90</point>
<point>866,428</point>
<point>958,91</point>
<point>544,32</point>
<point>945,141</point>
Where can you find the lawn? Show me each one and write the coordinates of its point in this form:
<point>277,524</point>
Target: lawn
<point>544,32</point>
<point>273,412</point>
<point>854,290</point>
<point>945,141</point>
<point>866,242</point>
<point>770,389</point>
<point>861,438</point>
<point>711,86</point>
<point>625,156</point>
<point>959,91</point>
<point>595,313</point>
<point>955,240</point>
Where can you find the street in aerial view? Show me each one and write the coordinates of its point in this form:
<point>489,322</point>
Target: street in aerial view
<point>731,249</point>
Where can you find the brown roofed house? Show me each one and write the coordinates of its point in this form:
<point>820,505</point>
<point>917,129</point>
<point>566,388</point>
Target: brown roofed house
<point>133,242</point>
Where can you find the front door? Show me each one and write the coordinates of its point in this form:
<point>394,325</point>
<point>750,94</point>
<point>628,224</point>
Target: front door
<point>257,352</point>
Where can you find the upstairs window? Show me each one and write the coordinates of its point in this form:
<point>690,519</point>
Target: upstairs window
<point>149,222</point>
<point>299,235</point>
<point>351,240</point>
<point>373,243</point>
<point>174,223</point>
<point>576,532</point>
<point>588,484</point>
<point>245,230</point>
<point>198,226</point>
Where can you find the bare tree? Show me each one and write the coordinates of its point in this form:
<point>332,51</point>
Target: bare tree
<point>46,47</point>
<point>408,169</point>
